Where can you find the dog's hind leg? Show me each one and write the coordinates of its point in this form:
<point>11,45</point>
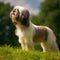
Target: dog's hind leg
<point>45,46</point>
<point>50,44</point>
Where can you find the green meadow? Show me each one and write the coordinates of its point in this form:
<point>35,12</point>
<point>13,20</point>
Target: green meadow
<point>11,53</point>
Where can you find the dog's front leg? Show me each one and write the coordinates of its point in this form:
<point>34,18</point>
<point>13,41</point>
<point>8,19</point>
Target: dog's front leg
<point>27,44</point>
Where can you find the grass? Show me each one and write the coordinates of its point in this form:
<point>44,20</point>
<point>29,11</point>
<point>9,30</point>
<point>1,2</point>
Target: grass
<point>10,53</point>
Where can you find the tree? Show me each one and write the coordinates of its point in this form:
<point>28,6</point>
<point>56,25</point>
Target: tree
<point>7,35</point>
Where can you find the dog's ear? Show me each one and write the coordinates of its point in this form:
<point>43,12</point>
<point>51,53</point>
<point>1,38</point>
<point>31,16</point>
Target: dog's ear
<point>25,17</point>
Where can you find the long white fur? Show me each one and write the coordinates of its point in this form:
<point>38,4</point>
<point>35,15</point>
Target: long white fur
<point>49,45</point>
<point>26,37</point>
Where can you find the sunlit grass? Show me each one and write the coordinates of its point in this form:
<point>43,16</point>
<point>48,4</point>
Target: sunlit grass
<point>10,53</point>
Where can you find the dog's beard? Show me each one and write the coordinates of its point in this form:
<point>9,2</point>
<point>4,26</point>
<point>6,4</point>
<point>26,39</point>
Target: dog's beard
<point>15,16</point>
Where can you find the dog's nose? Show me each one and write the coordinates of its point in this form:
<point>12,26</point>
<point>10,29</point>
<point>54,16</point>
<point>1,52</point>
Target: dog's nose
<point>11,13</point>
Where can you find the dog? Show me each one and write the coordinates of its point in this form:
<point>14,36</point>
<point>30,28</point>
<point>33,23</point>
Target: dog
<point>30,34</point>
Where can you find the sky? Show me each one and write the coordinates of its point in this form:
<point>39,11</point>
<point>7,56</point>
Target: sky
<point>31,5</point>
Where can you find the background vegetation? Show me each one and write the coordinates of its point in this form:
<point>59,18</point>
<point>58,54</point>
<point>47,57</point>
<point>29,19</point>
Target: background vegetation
<point>9,53</point>
<point>7,35</point>
<point>49,15</point>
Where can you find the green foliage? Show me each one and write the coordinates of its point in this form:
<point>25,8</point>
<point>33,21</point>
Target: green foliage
<point>35,20</point>
<point>9,53</point>
<point>48,7</point>
<point>7,35</point>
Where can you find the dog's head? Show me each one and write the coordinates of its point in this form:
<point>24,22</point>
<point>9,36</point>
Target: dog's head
<point>20,15</point>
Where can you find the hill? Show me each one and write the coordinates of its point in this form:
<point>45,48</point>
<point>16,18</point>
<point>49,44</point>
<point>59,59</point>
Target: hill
<point>10,53</point>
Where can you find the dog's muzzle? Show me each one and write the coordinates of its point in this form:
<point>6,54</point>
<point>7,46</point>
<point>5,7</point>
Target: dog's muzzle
<point>15,14</point>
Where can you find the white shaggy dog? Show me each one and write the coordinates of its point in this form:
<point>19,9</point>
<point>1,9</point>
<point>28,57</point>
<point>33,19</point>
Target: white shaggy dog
<point>30,34</point>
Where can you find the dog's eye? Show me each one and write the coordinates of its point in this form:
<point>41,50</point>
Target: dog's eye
<point>14,10</point>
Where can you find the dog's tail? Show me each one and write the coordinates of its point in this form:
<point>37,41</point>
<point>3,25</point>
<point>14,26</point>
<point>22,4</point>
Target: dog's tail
<point>51,39</point>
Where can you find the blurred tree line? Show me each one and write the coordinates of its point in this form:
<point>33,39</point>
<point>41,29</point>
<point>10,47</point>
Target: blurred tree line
<point>49,15</point>
<point>7,35</point>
